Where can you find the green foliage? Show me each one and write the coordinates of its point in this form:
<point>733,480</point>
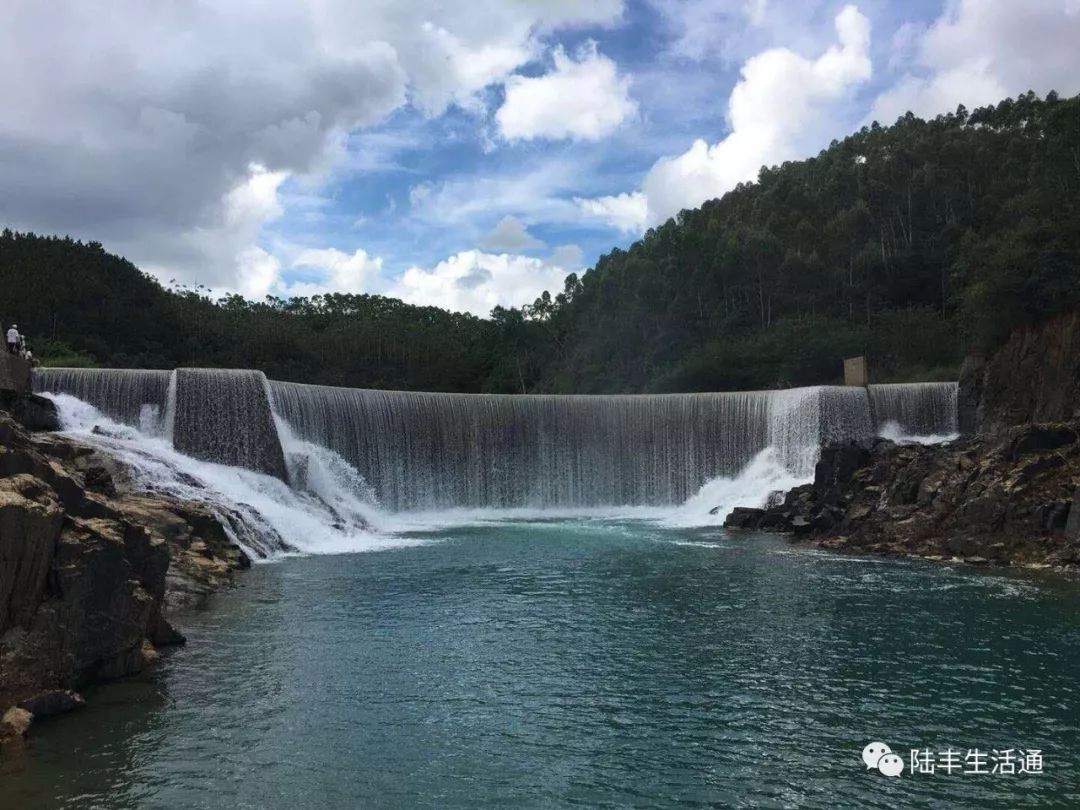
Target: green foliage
<point>910,244</point>
<point>56,353</point>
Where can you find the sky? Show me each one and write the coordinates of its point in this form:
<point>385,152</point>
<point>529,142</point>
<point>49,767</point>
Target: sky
<point>450,153</point>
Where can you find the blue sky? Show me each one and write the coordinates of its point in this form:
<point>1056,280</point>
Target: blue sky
<point>461,155</point>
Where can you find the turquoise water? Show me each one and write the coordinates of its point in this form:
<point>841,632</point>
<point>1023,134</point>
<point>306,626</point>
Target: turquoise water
<point>583,663</point>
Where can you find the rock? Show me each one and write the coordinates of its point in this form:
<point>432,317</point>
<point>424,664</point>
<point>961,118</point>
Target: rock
<point>801,525</point>
<point>743,517</point>
<point>52,702</point>
<point>837,464</point>
<point>89,570</point>
<point>1036,438</point>
<point>148,655</point>
<point>1072,524</point>
<point>30,521</point>
<point>33,412</point>
<point>1034,377</point>
<point>775,520</point>
<point>775,499</point>
<point>1010,498</point>
<point>1053,516</point>
<point>969,393</point>
<point>976,561</point>
<point>16,722</point>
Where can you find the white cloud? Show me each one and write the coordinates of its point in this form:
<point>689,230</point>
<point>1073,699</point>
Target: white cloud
<point>980,51</point>
<point>535,194</point>
<point>228,240</point>
<point>569,257</point>
<point>136,132</point>
<point>419,193</point>
<point>627,211</point>
<point>511,235</point>
<point>340,272</point>
<point>779,110</point>
<point>258,272</point>
<point>582,97</point>
<point>476,282</point>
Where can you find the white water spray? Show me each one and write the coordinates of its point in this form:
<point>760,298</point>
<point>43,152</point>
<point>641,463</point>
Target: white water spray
<point>362,468</point>
<point>326,513</point>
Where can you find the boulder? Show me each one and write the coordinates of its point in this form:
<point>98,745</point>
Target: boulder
<point>52,702</point>
<point>33,412</point>
<point>743,517</point>
<point>1038,438</point>
<point>15,723</point>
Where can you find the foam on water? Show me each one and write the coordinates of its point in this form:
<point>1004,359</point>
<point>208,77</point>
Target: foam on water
<point>895,432</point>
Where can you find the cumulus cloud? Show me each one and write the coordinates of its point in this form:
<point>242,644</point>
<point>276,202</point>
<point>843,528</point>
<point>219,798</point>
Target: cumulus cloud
<point>138,128</point>
<point>336,271</point>
<point>980,51</point>
<point>475,281</point>
<point>569,257</point>
<point>779,110</point>
<point>510,235</point>
<point>535,193</point>
<point>582,97</point>
<point>627,211</point>
<point>703,28</point>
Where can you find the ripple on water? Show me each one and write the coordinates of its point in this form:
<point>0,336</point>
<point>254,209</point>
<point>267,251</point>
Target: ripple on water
<point>578,663</point>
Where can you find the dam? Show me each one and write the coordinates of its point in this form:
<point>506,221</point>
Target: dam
<point>425,451</point>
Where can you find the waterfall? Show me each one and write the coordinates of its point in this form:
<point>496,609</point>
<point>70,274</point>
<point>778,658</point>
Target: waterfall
<point>923,409</point>
<point>223,415</point>
<point>426,451</point>
<point>134,397</point>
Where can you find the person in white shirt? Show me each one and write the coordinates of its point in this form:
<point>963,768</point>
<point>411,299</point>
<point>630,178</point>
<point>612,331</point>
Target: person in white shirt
<point>13,339</point>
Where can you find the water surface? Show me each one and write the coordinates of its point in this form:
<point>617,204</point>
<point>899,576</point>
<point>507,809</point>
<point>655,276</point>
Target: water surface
<point>583,663</point>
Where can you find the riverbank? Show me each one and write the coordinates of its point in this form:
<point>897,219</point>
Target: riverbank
<point>1008,499</point>
<point>92,570</point>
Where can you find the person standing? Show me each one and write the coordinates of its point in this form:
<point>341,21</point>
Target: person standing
<point>13,339</point>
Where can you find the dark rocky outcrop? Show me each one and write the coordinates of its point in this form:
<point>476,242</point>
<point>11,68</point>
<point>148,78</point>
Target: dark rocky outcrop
<point>1006,499</point>
<point>1033,377</point>
<point>30,410</point>
<point>89,572</point>
<point>14,373</point>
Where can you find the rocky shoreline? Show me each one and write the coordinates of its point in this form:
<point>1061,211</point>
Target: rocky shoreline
<point>1009,499</point>
<point>91,571</point>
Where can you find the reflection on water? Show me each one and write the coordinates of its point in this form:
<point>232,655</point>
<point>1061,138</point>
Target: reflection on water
<point>583,663</point>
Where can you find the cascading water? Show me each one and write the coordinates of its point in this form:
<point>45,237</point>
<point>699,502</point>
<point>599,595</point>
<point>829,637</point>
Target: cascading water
<point>916,409</point>
<point>134,397</point>
<point>684,458</point>
<point>325,510</point>
<point>429,451</point>
<point>223,415</point>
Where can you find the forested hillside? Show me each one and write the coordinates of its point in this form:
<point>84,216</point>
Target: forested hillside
<point>912,244</point>
<point>80,305</point>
